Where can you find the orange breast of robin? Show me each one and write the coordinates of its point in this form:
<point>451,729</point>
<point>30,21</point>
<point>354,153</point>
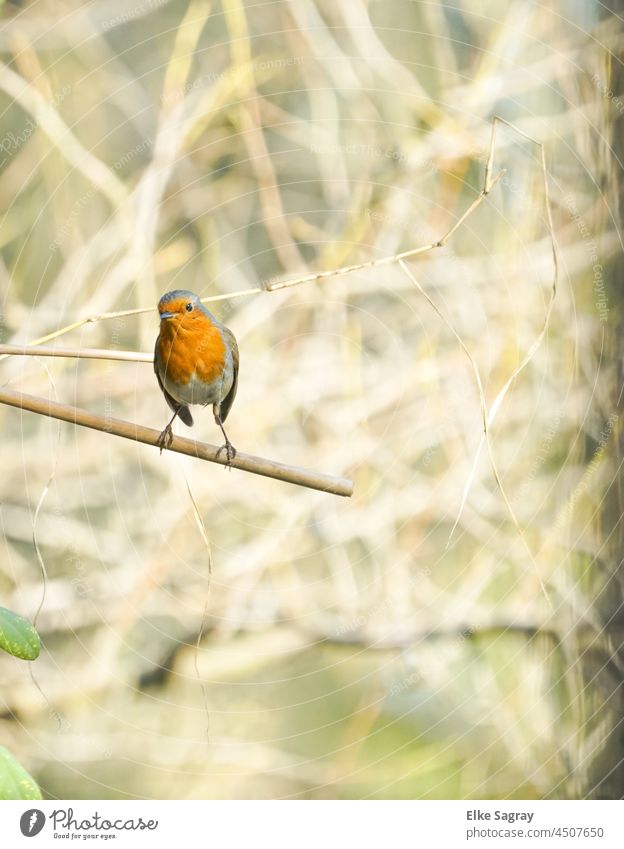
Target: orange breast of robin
<point>192,348</point>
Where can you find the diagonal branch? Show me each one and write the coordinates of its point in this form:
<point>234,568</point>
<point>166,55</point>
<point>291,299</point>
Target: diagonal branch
<point>181,445</point>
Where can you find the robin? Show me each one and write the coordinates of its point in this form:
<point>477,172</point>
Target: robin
<point>196,362</point>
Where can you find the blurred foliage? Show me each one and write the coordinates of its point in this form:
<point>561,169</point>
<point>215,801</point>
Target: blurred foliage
<point>17,636</point>
<point>15,783</point>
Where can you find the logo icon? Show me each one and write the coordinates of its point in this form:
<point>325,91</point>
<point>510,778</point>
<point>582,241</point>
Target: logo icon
<point>31,822</point>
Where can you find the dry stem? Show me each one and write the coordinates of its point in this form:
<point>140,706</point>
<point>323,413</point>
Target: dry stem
<point>201,450</point>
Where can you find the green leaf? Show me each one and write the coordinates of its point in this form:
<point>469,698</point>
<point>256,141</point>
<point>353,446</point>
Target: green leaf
<point>15,782</point>
<point>17,636</point>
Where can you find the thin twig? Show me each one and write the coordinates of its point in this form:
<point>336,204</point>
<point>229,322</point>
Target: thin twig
<point>496,404</point>
<point>276,285</point>
<point>488,416</point>
<point>106,316</point>
<point>385,260</point>
<point>80,353</point>
<point>486,433</point>
<point>181,445</point>
<point>204,620</point>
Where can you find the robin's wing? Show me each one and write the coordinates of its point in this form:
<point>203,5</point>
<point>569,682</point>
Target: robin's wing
<point>183,411</point>
<point>227,402</point>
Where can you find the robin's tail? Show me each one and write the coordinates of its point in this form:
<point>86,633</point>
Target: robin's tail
<point>185,414</point>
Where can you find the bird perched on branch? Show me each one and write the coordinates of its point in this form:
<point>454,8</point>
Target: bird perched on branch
<point>196,362</point>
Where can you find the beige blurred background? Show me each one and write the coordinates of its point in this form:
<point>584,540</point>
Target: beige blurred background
<point>297,644</point>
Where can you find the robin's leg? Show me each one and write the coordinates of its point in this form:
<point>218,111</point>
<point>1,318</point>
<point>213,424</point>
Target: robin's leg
<point>229,448</point>
<point>166,437</point>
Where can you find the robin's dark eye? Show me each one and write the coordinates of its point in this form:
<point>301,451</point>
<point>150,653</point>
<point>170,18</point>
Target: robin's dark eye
<point>189,307</point>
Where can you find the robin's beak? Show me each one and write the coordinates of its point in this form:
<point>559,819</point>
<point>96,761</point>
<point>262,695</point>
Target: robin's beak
<point>166,315</point>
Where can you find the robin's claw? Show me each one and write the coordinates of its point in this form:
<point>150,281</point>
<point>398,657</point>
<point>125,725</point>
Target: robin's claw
<point>230,451</point>
<point>165,439</point>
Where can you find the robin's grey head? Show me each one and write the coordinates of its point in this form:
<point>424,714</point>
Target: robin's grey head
<point>178,304</point>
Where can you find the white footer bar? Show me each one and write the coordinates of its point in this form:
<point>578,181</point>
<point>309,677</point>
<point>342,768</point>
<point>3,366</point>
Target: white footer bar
<point>312,824</point>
